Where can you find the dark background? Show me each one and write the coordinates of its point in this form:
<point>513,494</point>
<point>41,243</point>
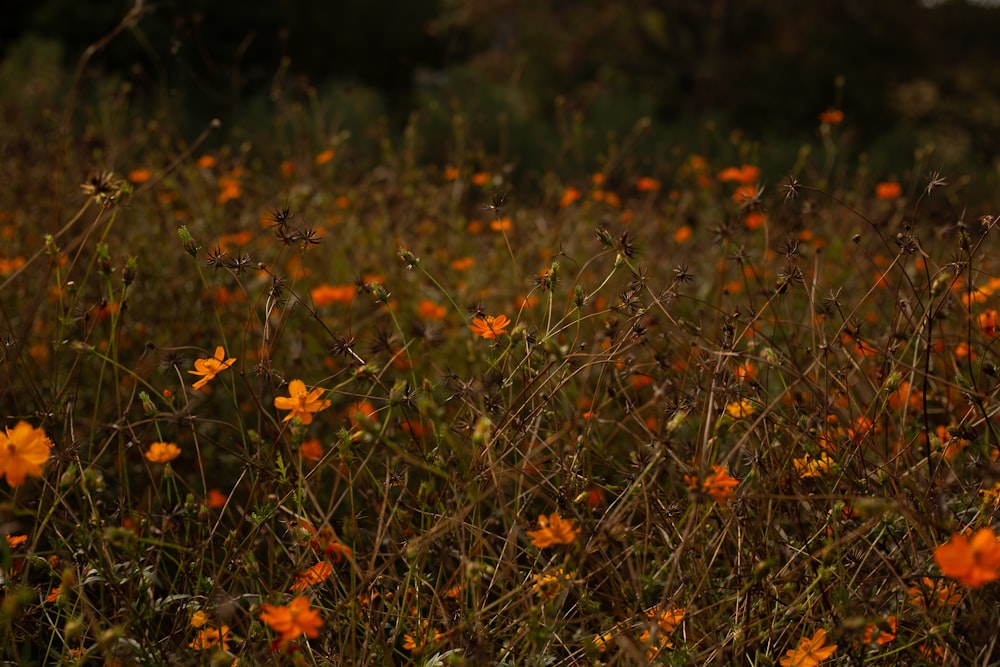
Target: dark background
<point>896,67</point>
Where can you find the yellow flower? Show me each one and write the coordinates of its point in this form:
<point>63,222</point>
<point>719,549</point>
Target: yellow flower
<point>198,619</point>
<point>810,651</point>
<point>302,403</point>
<point>808,466</point>
<point>553,530</point>
<point>419,639</point>
<point>23,451</point>
<point>163,452</point>
<point>741,408</point>
<point>548,584</point>
<point>209,637</point>
<point>209,368</point>
<point>490,327</point>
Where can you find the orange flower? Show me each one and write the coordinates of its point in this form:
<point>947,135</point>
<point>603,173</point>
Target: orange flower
<point>719,485</point>
<point>209,368</point>
<point>140,175</point>
<point>569,196</point>
<point>15,540</point>
<point>879,635</point>
<point>206,162</point>
<point>489,326</point>
<point>933,593</point>
<point>501,225</point>
<point>419,639</point>
<point>430,310</point>
<point>553,529</point>
<point>216,498</point>
<point>324,157</point>
<point>972,562</point>
<point>647,184</point>
<point>463,263</point>
<point>209,637</point>
<point>832,117</point>
<point>291,620</point>
<point>311,450</point>
<point>989,322</point>
<point>162,452</point>
<point>324,295</point>
<point>888,190</point>
<point>745,175</point>
<point>480,178</point>
<point>229,186</point>
<point>316,574</point>
<point>810,651</point>
<point>23,451</point>
<point>667,619</point>
<point>300,402</point>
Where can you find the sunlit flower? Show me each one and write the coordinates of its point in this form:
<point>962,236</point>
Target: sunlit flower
<point>668,619</point>
<point>24,450</point>
<point>549,584</point>
<point>199,618</point>
<point>209,368</point>
<point>603,640</point>
<point>810,466</point>
<point>210,637</point>
<point>291,620</point>
<point>991,496</point>
<point>972,562</point>
<point>888,190</point>
<point>489,326</point>
<point>553,529</point>
<point>300,402</point>
<point>740,409</point>
<point>162,452</point>
<point>316,574</point>
<point>810,651</point>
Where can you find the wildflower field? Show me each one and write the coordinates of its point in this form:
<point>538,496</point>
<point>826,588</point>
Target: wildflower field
<point>307,396</point>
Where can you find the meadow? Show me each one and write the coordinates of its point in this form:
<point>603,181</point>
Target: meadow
<point>304,396</point>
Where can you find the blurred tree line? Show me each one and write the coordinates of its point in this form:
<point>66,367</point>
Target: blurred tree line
<point>767,66</point>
